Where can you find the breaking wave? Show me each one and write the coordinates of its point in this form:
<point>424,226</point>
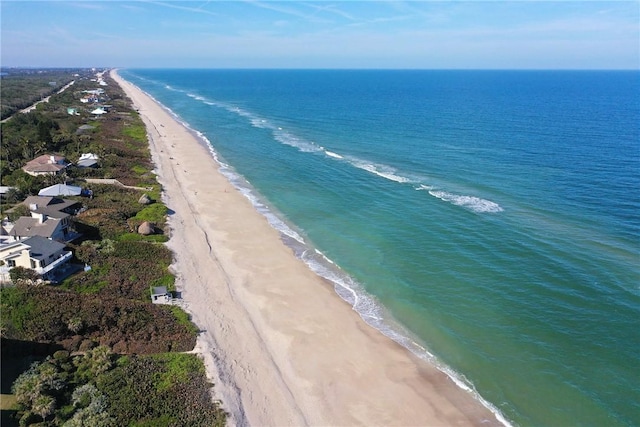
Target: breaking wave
<point>475,204</point>
<point>469,202</point>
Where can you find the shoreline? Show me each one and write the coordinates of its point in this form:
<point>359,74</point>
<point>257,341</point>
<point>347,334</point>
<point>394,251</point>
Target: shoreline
<point>279,343</point>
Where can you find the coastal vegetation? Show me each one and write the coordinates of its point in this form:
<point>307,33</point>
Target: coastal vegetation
<point>93,349</point>
<point>22,87</point>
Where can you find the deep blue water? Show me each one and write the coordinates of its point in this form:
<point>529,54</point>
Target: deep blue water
<point>487,220</point>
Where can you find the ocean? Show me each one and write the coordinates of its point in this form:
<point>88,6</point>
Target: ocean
<point>489,221</point>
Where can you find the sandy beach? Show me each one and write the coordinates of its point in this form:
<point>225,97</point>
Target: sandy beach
<point>279,344</point>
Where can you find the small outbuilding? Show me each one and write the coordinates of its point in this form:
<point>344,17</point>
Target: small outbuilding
<point>87,160</point>
<point>160,295</point>
<point>84,129</point>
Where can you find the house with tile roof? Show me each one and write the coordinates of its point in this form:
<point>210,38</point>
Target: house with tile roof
<point>47,164</point>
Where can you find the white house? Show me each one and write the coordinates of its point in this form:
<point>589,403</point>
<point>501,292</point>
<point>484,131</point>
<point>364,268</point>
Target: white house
<point>42,255</point>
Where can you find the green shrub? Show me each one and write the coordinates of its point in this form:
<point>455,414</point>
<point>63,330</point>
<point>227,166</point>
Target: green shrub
<point>16,309</point>
<point>166,388</point>
<point>20,273</point>
<point>163,421</point>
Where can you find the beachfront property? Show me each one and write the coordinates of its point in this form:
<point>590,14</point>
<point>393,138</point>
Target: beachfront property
<point>47,164</point>
<point>51,218</point>
<point>40,224</point>
<point>93,96</point>
<point>50,205</point>
<point>38,253</point>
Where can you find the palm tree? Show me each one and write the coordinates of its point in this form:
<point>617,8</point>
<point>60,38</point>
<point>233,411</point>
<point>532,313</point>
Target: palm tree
<point>44,406</point>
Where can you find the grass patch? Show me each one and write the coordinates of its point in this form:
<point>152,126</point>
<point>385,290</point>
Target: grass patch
<point>91,288</point>
<point>183,318</point>
<point>155,213</point>
<point>136,131</point>
<point>89,282</point>
<point>135,237</point>
<point>168,280</point>
<point>157,238</point>
<point>140,170</point>
<point>97,126</point>
<point>178,368</point>
<point>131,237</point>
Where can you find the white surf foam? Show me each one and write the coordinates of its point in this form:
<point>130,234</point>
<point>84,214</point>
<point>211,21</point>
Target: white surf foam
<point>475,204</point>
<point>292,140</point>
<point>196,97</point>
<point>378,169</point>
<point>332,154</point>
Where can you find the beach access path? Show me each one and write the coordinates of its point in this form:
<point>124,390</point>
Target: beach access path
<point>278,343</point>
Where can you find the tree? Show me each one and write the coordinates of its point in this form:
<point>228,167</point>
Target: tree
<point>13,196</point>
<point>75,324</point>
<point>37,388</point>
<point>92,408</point>
<point>18,211</point>
<point>26,387</point>
<point>21,274</point>
<point>93,363</point>
<point>43,406</point>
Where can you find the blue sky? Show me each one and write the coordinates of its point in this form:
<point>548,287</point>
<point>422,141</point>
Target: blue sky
<point>322,34</point>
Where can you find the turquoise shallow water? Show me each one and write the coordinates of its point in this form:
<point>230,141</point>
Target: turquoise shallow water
<point>487,220</point>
